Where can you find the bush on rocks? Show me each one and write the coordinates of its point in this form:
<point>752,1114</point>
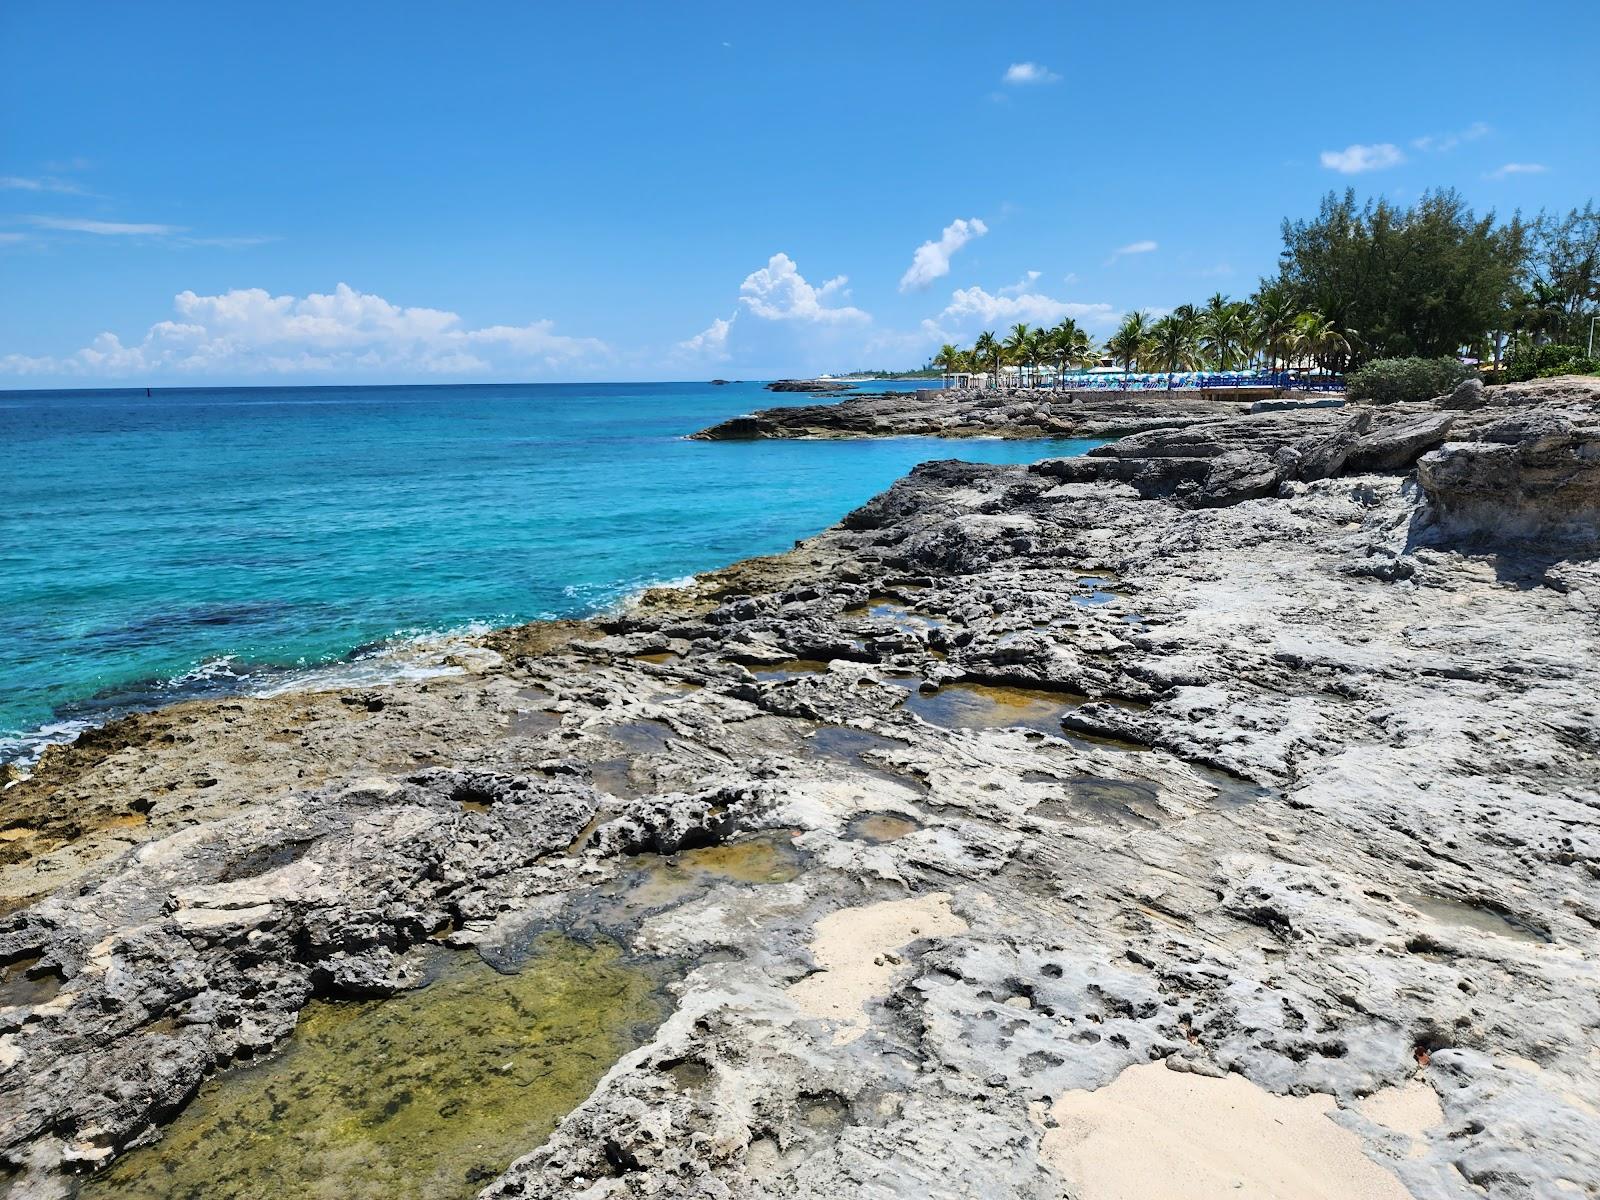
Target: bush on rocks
<point>1546,362</point>
<point>1396,380</point>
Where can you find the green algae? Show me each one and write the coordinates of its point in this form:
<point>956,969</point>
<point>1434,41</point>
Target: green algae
<point>964,705</point>
<point>429,1094</point>
<point>653,882</point>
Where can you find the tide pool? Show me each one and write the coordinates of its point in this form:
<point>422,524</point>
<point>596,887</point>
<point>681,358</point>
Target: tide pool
<point>205,540</point>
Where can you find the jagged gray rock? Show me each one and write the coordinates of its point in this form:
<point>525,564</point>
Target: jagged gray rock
<point>1295,784</point>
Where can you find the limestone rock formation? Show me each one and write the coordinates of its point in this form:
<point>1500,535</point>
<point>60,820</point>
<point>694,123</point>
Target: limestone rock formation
<point>1231,749</point>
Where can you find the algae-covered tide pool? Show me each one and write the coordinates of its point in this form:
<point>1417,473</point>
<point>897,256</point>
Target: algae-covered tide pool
<point>430,1094</point>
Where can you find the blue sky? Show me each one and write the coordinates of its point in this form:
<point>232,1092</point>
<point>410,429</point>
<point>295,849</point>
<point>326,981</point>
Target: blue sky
<point>213,193</point>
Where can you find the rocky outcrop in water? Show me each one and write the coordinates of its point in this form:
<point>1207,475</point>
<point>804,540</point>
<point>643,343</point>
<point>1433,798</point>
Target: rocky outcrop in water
<point>958,413</point>
<point>827,387</point>
<point>1253,749</point>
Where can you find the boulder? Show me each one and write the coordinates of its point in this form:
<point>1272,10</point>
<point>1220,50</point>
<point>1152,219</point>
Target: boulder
<point>1533,476</point>
<point>1238,475</point>
<point>1395,447</point>
<point>1469,394</point>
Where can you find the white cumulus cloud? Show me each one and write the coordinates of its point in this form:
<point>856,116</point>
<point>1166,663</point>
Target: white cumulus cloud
<point>778,292</point>
<point>974,306</point>
<point>710,343</point>
<point>932,259</point>
<point>1024,73</point>
<point>1355,159</point>
<point>248,331</point>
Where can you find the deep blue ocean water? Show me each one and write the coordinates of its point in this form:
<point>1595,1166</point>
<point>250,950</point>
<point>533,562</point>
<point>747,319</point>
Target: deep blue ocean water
<point>204,540</point>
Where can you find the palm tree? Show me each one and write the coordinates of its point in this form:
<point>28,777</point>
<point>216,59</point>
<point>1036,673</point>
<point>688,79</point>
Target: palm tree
<point>1323,341</point>
<point>1127,343</point>
<point>987,351</point>
<point>1221,333</point>
<point>1016,347</point>
<point>1172,346</point>
<point>1273,324</point>
<point>1067,345</point>
<point>948,359</point>
<point>1543,310</point>
<point>1039,341</point>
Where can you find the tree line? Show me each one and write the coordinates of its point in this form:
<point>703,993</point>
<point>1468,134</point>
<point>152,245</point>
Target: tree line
<point>1356,283</point>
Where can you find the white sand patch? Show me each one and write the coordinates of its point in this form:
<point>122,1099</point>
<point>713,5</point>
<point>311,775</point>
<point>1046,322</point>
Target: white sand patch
<point>855,949</point>
<point>1411,1109</point>
<point>1153,1133</point>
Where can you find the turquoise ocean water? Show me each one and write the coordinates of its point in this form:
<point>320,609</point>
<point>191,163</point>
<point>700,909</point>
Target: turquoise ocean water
<point>207,540</point>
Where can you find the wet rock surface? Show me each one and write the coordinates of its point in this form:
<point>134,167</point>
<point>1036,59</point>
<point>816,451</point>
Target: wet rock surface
<point>1016,779</point>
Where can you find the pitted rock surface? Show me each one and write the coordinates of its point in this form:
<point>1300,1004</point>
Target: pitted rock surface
<point>1295,783</point>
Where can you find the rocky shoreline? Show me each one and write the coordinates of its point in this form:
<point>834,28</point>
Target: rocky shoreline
<point>1246,762</point>
<point>972,412</point>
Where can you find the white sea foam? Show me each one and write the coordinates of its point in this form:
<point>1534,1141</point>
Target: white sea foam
<point>22,750</point>
<point>408,656</point>
<point>210,671</point>
<point>630,596</point>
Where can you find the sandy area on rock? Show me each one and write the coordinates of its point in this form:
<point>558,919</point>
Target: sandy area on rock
<point>855,947</point>
<point>1154,1132</point>
<point>1412,1109</point>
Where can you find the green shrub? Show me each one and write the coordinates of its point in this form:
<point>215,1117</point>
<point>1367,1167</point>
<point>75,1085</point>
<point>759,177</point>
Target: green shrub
<point>1393,380</point>
<point>1542,362</point>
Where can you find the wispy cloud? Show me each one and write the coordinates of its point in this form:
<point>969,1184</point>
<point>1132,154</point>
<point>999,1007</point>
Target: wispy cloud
<point>932,259</point>
<point>1021,286</point>
<point>103,228</point>
<point>175,235</point>
<point>22,183</point>
<point>1517,168</point>
<point>1355,159</point>
<point>227,243</point>
<point>1360,157</point>
<point>248,331</point>
<point>1145,247</point>
<point>1443,143</point>
<point>1023,74</point>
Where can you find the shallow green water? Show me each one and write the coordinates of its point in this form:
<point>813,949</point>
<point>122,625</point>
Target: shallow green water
<point>430,1094</point>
